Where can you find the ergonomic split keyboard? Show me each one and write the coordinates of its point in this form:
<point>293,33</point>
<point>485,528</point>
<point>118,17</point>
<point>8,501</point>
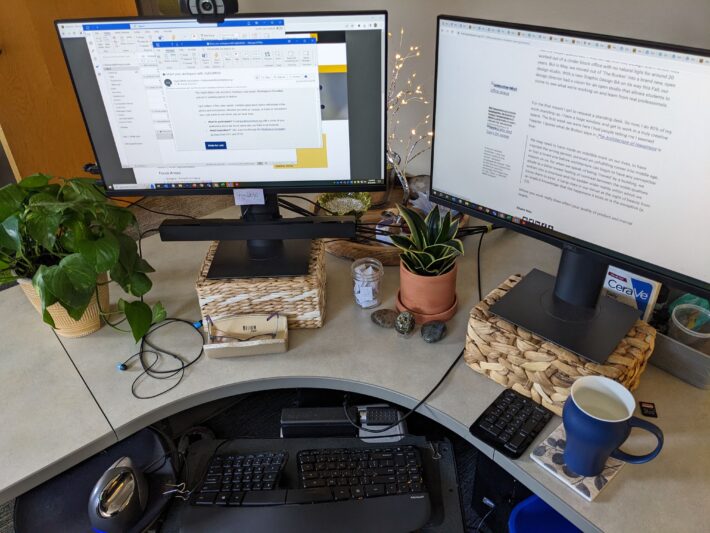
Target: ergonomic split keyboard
<point>323,475</point>
<point>295,486</point>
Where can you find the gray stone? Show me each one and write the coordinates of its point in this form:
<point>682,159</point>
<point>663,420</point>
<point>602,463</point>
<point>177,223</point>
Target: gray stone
<point>433,331</point>
<point>384,318</point>
<point>404,324</point>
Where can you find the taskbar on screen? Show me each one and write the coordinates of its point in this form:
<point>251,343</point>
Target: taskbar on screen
<point>472,207</point>
<point>241,185</point>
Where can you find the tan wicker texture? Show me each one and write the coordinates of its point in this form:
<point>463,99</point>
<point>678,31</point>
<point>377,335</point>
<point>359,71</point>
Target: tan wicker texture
<point>300,298</point>
<point>66,326</point>
<point>539,369</point>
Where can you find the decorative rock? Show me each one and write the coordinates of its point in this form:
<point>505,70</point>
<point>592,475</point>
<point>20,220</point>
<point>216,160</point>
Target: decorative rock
<point>385,318</point>
<point>404,324</point>
<point>433,331</point>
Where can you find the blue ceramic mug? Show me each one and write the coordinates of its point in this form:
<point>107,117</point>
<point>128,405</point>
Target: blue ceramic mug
<point>598,417</point>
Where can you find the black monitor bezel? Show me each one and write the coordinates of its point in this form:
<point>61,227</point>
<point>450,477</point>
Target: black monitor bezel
<point>279,187</point>
<point>560,240</point>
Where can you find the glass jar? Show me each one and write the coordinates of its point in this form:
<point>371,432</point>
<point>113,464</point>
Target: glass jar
<point>367,275</point>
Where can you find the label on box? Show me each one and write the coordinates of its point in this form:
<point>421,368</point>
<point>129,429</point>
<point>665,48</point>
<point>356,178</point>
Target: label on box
<point>633,290</point>
<point>249,197</point>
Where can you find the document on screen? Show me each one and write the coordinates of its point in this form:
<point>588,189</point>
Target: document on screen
<point>603,143</point>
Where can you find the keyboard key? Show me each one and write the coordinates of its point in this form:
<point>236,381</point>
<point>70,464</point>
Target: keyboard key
<point>211,487</point>
<point>416,487</point>
<point>516,442</point>
<point>264,497</point>
<point>236,498</point>
<point>357,491</point>
<point>312,483</point>
<point>492,430</point>
<point>205,498</point>
<point>374,490</point>
<point>391,488</point>
<point>384,479</point>
<point>309,495</point>
<point>341,493</point>
<point>528,427</point>
<point>222,498</point>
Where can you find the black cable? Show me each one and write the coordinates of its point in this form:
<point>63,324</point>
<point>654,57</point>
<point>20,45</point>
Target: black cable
<point>149,369</point>
<point>309,201</point>
<point>478,267</point>
<point>363,237</point>
<point>295,208</point>
<point>136,204</point>
<point>412,410</point>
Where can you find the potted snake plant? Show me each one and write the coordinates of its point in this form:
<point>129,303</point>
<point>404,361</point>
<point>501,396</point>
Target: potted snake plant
<point>427,272</point>
<point>62,241</point>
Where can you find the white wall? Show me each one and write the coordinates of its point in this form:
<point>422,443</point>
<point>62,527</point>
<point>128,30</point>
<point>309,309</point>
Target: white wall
<point>685,22</point>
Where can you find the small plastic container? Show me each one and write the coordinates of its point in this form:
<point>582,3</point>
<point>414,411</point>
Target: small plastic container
<point>367,277</point>
<point>690,324</point>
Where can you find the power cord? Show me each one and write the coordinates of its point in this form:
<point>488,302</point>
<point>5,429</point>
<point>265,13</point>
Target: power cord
<point>136,204</point>
<point>478,267</point>
<point>411,411</point>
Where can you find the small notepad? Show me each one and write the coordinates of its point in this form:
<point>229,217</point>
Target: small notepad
<point>549,455</point>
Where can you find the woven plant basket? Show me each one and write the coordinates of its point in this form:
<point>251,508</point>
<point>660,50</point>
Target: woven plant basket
<point>300,298</point>
<point>66,326</point>
<point>539,369</point>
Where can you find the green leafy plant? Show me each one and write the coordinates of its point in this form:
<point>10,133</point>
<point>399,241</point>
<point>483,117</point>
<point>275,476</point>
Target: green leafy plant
<point>431,248</point>
<point>64,234</point>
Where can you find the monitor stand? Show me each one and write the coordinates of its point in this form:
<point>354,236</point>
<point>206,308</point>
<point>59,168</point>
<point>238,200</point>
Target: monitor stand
<point>261,258</point>
<point>570,310</point>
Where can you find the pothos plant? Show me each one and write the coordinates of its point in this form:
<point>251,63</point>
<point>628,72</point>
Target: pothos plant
<point>431,248</point>
<point>62,234</point>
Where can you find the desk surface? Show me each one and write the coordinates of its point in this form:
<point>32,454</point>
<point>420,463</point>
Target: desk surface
<point>351,353</point>
<point>48,419</point>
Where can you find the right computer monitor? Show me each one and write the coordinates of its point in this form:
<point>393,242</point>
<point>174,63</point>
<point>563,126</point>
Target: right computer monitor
<point>593,143</point>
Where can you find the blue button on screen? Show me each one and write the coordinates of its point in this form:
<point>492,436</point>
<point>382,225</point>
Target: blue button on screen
<point>215,145</point>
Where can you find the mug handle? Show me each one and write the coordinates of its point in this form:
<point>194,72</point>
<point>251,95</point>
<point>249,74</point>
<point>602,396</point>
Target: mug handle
<point>637,459</point>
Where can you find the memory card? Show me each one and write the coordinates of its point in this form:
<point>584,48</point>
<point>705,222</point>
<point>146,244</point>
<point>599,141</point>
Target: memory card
<point>648,409</point>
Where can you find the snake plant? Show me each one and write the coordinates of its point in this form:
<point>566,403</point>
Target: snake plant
<point>431,248</point>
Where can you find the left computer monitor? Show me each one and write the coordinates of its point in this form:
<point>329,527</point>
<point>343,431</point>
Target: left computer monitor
<point>284,103</point>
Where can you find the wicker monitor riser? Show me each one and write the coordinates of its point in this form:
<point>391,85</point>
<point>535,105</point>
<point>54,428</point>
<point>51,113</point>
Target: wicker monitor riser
<point>300,298</point>
<point>541,370</point>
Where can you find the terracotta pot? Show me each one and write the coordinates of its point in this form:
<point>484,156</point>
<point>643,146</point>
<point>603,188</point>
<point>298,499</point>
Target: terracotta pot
<point>427,297</point>
<point>66,326</point>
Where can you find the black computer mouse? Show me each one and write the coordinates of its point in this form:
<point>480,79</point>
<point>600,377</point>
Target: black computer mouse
<point>119,498</point>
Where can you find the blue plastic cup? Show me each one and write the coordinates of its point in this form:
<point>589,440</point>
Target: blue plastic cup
<point>598,417</point>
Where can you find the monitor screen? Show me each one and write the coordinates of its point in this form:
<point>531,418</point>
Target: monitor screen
<point>285,103</point>
<point>597,141</point>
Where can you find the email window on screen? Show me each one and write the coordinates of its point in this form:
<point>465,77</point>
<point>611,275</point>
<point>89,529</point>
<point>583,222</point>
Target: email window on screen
<point>241,94</point>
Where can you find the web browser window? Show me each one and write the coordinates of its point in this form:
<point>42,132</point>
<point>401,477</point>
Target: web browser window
<point>263,100</point>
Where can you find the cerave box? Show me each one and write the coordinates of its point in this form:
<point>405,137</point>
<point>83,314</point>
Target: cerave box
<point>637,291</point>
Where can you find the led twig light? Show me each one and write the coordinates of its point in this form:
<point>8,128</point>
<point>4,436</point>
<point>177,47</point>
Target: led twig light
<point>401,152</point>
